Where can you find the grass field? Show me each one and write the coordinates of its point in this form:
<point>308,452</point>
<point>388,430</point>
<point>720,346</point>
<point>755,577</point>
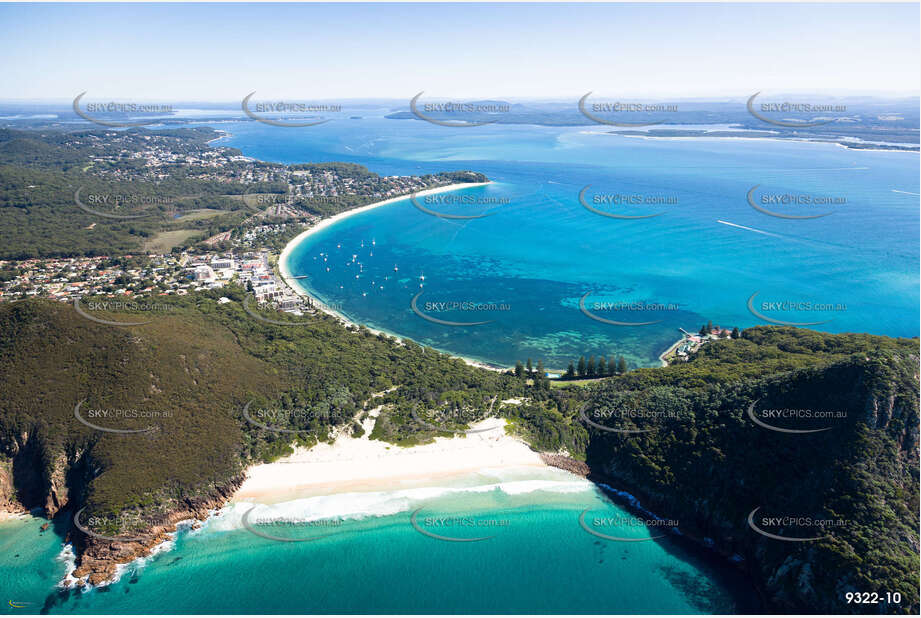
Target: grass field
<point>202,213</point>
<point>164,242</point>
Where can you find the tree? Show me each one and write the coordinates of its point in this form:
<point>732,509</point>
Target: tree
<point>709,326</point>
<point>530,368</point>
<point>571,372</point>
<point>581,369</point>
<point>621,365</point>
<point>735,334</point>
<point>612,366</point>
<point>519,370</point>
<point>601,370</point>
<point>541,378</point>
<point>590,370</point>
<point>703,331</point>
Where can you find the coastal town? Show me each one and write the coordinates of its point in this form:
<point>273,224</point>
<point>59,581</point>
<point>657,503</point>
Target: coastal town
<point>147,276</point>
<point>213,217</point>
<point>253,211</point>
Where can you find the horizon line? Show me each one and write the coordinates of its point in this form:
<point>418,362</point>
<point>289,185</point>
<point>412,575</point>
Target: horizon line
<point>707,98</point>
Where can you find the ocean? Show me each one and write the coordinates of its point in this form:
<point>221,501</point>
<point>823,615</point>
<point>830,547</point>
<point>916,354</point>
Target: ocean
<point>530,280</point>
<point>713,252</point>
<point>377,552</point>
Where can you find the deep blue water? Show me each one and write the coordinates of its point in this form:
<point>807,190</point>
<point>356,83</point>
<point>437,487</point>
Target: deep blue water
<point>539,251</point>
<point>538,254</point>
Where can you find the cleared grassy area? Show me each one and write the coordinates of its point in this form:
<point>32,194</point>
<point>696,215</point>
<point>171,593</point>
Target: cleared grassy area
<point>565,383</point>
<point>203,213</point>
<point>164,242</point>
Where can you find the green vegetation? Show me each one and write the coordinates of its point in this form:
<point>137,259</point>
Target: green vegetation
<point>166,179</point>
<point>591,369</point>
<point>40,217</point>
<point>702,461</point>
<point>186,377</point>
<point>201,362</point>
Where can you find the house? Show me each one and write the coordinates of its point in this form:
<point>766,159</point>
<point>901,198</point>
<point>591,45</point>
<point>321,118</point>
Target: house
<point>204,273</point>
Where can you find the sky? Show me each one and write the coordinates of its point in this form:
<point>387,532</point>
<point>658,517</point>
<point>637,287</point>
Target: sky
<point>222,52</point>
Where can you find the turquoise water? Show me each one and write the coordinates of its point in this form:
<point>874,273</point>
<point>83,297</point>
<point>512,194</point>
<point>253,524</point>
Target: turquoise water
<point>533,258</point>
<point>539,560</point>
<point>529,262</point>
<point>30,564</point>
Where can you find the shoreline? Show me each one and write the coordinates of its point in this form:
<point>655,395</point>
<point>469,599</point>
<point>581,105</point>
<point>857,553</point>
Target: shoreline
<point>669,350</point>
<point>775,139</point>
<point>223,135</point>
<point>318,304</point>
<point>359,464</point>
<point>6,515</point>
<point>690,537</point>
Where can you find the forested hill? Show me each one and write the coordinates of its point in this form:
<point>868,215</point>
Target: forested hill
<point>696,453</point>
<point>701,459</point>
<point>105,192</point>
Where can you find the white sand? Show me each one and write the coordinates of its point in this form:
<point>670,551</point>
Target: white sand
<point>360,464</point>
<point>325,223</point>
<point>317,303</point>
<point>13,515</point>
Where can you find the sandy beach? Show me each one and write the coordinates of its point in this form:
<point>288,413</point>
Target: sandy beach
<point>13,515</point>
<point>325,223</point>
<point>360,464</point>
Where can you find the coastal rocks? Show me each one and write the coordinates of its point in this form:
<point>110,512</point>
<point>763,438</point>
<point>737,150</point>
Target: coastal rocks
<point>8,502</point>
<point>849,476</point>
<point>564,462</point>
<point>792,583</point>
<point>98,560</point>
